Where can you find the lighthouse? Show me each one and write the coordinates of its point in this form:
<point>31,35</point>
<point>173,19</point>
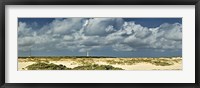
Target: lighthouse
<point>87,53</point>
<point>30,53</point>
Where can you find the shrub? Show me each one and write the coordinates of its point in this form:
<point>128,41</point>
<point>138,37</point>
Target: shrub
<point>51,66</point>
<point>159,63</point>
<point>96,67</point>
<point>46,66</point>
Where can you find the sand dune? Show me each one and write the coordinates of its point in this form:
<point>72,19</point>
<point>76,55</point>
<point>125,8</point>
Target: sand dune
<point>175,63</point>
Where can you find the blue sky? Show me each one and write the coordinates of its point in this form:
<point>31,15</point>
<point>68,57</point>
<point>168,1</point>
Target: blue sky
<point>118,37</point>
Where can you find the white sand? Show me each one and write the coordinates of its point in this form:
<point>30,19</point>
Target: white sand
<point>68,64</point>
<point>148,66</point>
<point>22,65</point>
<point>145,66</point>
<point>71,63</point>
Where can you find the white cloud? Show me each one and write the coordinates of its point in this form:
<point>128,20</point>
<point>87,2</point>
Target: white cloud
<point>68,38</point>
<point>66,26</point>
<point>26,41</point>
<point>122,47</point>
<point>103,26</point>
<point>84,34</point>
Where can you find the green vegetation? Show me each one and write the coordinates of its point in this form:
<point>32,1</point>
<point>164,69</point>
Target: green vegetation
<point>91,63</point>
<point>51,66</point>
<point>84,61</point>
<point>89,60</point>
<point>160,63</point>
<point>46,66</point>
<point>97,67</point>
<point>157,62</point>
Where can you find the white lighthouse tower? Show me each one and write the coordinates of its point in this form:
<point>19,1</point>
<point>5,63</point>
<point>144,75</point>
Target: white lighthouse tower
<point>87,53</point>
<point>30,53</point>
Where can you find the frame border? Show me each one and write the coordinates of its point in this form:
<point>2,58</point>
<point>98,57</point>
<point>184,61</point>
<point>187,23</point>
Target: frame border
<point>3,3</point>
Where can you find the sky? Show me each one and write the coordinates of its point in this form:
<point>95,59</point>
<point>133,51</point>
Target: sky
<point>116,37</point>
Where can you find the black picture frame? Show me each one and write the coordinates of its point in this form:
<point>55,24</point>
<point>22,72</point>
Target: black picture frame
<point>98,2</point>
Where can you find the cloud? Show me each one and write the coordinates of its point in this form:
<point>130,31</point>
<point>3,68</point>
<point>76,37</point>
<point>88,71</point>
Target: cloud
<point>86,34</point>
<point>68,38</point>
<point>122,47</point>
<point>103,26</point>
<point>66,26</point>
<point>133,37</point>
